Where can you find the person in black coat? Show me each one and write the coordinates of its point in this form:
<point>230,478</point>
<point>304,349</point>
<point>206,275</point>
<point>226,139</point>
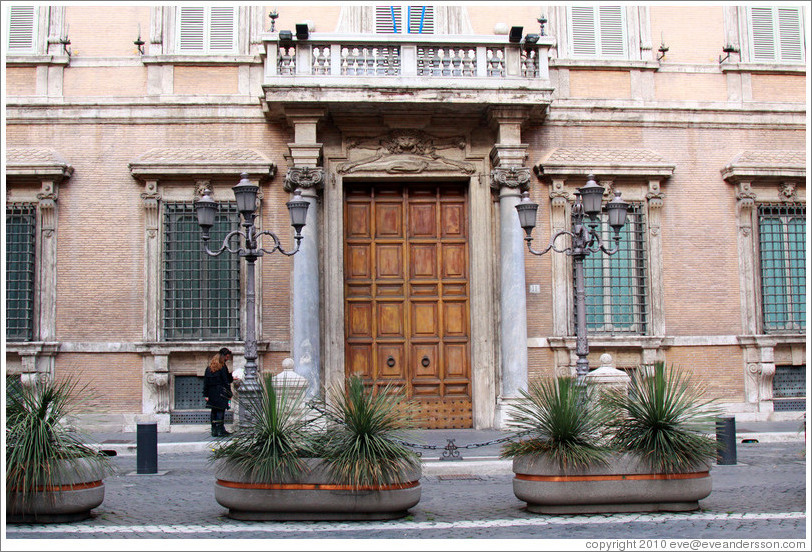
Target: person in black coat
<point>217,391</point>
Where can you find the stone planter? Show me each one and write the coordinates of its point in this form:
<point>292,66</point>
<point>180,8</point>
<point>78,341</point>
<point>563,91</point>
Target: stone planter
<point>311,496</point>
<point>625,485</point>
<point>75,489</point>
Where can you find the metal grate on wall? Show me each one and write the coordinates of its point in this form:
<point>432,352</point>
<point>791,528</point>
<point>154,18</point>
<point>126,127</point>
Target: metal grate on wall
<point>782,251</point>
<point>21,224</point>
<point>190,408</point>
<point>789,388</point>
<point>201,293</point>
<point>616,296</point>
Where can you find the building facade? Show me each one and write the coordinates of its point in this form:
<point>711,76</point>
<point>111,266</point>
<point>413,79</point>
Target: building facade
<point>412,132</point>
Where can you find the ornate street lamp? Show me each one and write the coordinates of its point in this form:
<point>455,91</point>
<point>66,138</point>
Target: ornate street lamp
<point>584,239</point>
<point>246,195</point>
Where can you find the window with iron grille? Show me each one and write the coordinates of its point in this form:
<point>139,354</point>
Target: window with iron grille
<point>404,19</point>
<point>782,258</point>
<point>789,388</point>
<point>21,224</point>
<point>201,293</point>
<point>616,296</point>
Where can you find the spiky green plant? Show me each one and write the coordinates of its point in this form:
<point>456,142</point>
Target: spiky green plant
<point>362,442</point>
<point>278,438</point>
<point>38,439</point>
<point>662,419</point>
<point>562,423</point>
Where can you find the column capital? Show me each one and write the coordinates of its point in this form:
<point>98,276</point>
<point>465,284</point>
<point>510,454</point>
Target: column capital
<point>510,177</point>
<point>304,178</point>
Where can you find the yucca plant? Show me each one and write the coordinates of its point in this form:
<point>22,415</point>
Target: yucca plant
<point>278,438</point>
<point>663,420</point>
<point>362,444</point>
<point>562,422</point>
<point>38,439</point>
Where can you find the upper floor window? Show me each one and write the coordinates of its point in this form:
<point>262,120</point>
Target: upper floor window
<point>201,293</point>
<point>776,34</point>
<point>207,30</point>
<point>21,224</point>
<point>22,29</point>
<point>597,31</point>
<point>616,286</point>
<point>404,19</point>
<point>782,259</point>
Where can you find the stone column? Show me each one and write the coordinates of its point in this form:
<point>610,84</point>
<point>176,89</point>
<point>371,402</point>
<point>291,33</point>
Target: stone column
<point>305,175</point>
<point>510,177</point>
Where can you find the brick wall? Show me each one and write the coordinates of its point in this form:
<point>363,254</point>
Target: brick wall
<point>21,81</point>
<point>105,81</point>
<point>205,80</point>
<point>114,380</point>
<point>600,84</point>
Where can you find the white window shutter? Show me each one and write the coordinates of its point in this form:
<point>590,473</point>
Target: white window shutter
<point>192,29</point>
<point>612,35</point>
<point>421,19</point>
<point>582,24</point>
<point>761,21</point>
<point>790,35</point>
<point>388,19</point>
<point>222,34</point>
<point>22,29</point>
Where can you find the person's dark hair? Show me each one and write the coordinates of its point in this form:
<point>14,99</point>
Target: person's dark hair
<point>219,360</point>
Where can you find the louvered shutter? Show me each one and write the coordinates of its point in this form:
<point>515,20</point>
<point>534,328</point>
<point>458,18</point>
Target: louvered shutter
<point>192,29</point>
<point>582,25</point>
<point>222,33</point>
<point>421,19</point>
<point>388,19</point>
<point>21,30</point>
<point>776,34</point>
<point>612,35</point>
<point>789,34</point>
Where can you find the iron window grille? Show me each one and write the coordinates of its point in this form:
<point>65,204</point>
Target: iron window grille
<point>789,388</point>
<point>782,259</point>
<point>201,293</point>
<point>21,224</point>
<point>189,406</point>
<point>616,286</point>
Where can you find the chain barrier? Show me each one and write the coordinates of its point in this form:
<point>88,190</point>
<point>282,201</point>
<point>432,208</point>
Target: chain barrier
<point>451,451</point>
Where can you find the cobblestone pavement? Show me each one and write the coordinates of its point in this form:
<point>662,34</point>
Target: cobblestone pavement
<point>763,496</point>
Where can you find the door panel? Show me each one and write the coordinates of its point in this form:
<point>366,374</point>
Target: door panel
<point>406,295</point>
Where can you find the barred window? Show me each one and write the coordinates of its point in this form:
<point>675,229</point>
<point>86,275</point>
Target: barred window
<point>201,293</point>
<point>616,296</point>
<point>782,259</point>
<point>21,224</point>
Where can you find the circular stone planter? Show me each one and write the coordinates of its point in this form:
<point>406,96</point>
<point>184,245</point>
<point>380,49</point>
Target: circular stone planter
<point>311,496</point>
<point>625,485</point>
<point>74,490</point>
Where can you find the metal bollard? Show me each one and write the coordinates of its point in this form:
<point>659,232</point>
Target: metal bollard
<point>147,447</point>
<point>726,438</point>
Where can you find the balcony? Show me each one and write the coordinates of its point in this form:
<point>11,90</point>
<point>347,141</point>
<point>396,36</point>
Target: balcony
<point>395,73</point>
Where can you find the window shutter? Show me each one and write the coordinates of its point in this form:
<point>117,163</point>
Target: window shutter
<point>222,35</point>
<point>21,30</point>
<point>790,36</point>
<point>611,31</point>
<point>421,19</point>
<point>388,19</point>
<point>583,31</point>
<point>761,20</point>
<point>192,29</point>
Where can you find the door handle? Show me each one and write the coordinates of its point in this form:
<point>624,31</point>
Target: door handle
<point>390,361</point>
<point>425,362</point>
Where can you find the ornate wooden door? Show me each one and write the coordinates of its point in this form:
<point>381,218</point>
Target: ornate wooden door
<point>406,294</point>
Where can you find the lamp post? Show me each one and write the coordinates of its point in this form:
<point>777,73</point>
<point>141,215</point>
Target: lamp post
<point>246,195</point>
<point>584,239</point>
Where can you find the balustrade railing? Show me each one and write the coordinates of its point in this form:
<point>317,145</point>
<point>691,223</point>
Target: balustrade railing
<point>434,57</point>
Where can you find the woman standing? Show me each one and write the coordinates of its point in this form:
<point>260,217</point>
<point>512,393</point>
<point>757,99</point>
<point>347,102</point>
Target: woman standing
<point>217,391</point>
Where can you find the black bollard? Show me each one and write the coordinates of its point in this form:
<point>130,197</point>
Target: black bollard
<point>147,447</point>
<point>726,439</point>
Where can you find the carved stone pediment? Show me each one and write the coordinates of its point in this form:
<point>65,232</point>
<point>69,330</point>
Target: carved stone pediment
<point>406,151</point>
